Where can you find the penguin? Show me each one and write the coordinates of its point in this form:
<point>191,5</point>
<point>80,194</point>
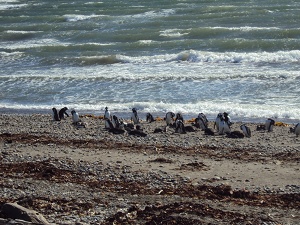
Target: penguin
<point>149,118</point>
<point>55,115</point>
<point>107,119</point>
<point>116,122</point>
<point>297,129</point>
<point>217,121</point>
<point>227,119</point>
<point>138,131</point>
<point>201,121</point>
<point>169,118</point>
<point>235,134</point>
<point>135,117</point>
<point>63,112</point>
<point>180,127</point>
<point>112,129</point>
<point>269,124</point>
<point>76,120</point>
<point>223,127</point>
<point>246,130</point>
<point>75,117</point>
<point>189,129</point>
<point>179,117</point>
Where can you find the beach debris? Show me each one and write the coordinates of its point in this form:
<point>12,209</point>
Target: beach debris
<point>161,160</point>
<point>194,166</point>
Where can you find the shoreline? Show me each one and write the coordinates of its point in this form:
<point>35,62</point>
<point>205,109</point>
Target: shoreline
<point>126,115</point>
<point>82,175</point>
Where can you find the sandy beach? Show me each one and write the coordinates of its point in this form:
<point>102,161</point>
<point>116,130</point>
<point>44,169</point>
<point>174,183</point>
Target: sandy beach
<point>88,175</point>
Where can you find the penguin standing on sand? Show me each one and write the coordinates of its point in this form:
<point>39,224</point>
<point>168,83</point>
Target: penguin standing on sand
<point>55,114</point>
<point>107,119</point>
<point>135,117</point>
<point>227,119</point>
<point>201,121</point>
<point>169,118</point>
<point>269,124</point>
<point>224,128</point>
<point>246,130</point>
<point>62,113</point>
<point>75,117</point>
<point>180,127</point>
<point>179,117</point>
<point>149,118</point>
<point>297,129</point>
<point>217,121</point>
<point>116,122</point>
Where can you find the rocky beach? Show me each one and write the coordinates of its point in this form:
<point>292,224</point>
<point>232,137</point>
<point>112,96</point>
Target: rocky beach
<point>87,175</point>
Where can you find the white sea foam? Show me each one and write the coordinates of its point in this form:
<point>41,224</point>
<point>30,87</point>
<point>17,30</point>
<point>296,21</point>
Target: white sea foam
<point>21,32</point>
<point>32,44</point>
<point>245,28</point>
<point>154,14</point>
<point>199,56</point>
<point>75,17</point>
<point>211,109</point>
<point>173,33</point>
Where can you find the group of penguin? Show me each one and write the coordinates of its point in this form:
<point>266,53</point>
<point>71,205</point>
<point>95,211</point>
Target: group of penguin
<point>222,124</point>
<point>60,115</point>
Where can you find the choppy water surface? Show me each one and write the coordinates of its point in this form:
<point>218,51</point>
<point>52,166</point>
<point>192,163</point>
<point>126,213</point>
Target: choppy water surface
<point>183,56</point>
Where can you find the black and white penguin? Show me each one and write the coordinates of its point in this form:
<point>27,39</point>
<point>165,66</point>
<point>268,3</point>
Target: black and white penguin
<point>224,128</point>
<point>149,118</point>
<point>112,129</point>
<point>227,119</point>
<point>116,122</point>
<point>75,117</point>
<point>179,128</point>
<point>138,131</point>
<point>55,114</point>
<point>179,117</point>
<point>217,121</point>
<point>107,119</point>
<point>201,121</point>
<point>297,129</point>
<point>246,130</point>
<point>169,118</point>
<point>135,117</point>
<point>62,113</point>
<point>269,124</point>
<point>76,120</point>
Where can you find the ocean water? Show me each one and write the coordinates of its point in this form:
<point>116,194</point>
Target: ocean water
<point>242,57</point>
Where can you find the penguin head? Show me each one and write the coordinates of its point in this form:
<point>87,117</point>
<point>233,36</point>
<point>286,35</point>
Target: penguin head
<point>73,112</point>
<point>106,108</point>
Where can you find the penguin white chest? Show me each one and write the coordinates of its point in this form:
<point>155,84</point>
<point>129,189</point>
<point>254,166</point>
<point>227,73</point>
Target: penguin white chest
<point>75,117</point>
<point>135,118</point>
